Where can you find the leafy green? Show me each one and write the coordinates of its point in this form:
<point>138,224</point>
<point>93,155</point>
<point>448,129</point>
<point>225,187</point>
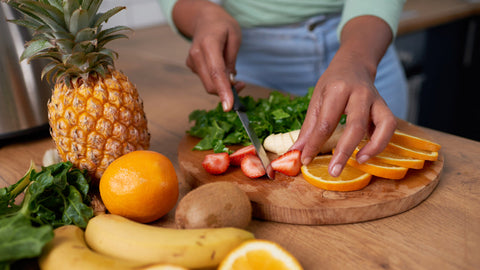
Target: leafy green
<point>278,113</point>
<point>53,197</point>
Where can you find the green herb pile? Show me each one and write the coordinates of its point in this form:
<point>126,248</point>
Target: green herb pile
<point>53,197</point>
<point>278,113</point>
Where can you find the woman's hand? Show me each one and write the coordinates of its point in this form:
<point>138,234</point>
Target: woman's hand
<point>347,87</point>
<point>216,38</point>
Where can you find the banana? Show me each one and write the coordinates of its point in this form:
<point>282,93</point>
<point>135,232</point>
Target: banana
<point>68,250</point>
<point>120,237</point>
<point>281,142</point>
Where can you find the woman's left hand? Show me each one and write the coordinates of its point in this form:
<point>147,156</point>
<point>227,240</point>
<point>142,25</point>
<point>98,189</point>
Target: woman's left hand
<point>347,87</point>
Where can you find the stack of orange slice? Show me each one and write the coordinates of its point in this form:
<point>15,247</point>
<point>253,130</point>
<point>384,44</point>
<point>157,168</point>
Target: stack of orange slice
<point>403,152</point>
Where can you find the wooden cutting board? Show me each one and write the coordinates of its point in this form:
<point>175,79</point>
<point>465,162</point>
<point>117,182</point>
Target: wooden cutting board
<point>293,200</point>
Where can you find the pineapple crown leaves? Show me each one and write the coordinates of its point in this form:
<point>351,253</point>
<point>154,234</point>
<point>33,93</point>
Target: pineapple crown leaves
<point>68,33</point>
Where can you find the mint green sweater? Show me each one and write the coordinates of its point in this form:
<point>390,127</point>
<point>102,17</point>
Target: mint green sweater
<point>252,13</point>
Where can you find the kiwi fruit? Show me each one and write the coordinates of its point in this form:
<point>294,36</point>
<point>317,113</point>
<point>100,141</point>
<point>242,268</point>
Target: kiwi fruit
<point>214,205</point>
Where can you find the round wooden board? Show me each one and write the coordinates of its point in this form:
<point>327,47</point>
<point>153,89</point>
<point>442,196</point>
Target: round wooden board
<point>293,200</point>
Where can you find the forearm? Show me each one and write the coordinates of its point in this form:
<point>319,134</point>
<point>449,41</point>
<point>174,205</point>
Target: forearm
<point>187,13</point>
<point>365,40</point>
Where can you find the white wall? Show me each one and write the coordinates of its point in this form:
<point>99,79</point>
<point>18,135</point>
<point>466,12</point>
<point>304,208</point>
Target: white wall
<point>138,14</point>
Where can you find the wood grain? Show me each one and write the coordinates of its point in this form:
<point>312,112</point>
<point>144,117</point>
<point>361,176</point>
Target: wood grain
<point>442,232</point>
<point>293,200</point>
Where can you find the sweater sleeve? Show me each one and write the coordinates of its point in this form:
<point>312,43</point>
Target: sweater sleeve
<point>167,7</point>
<point>389,11</point>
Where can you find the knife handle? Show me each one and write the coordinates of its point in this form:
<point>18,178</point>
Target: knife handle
<point>237,104</point>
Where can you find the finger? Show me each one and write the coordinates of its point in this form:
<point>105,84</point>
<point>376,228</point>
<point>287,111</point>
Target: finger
<point>196,62</point>
<point>324,120</point>
<point>239,85</point>
<point>384,126</point>
<point>231,50</point>
<point>218,73</point>
<point>358,118</point>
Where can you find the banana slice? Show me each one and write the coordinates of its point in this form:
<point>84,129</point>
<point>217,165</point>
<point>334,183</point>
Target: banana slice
<point>280,143</point>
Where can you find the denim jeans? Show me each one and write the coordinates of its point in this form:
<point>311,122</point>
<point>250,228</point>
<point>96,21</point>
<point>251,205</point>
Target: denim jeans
<point>291,58</point>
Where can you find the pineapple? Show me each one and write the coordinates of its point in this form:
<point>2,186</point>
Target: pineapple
<point>95,113</point>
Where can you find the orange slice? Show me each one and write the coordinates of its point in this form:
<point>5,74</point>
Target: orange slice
<point>393,159</point>
<point>260,254</point>
<point>379,169</point>
<point>411,141</point>
<point>316,173</point>
<point>411,152</point>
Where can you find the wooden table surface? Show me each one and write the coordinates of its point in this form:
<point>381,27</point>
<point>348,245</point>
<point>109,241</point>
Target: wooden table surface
<point>443,232</point>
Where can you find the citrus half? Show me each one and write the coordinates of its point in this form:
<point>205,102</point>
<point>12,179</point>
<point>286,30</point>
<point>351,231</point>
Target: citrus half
<point>259,254</point>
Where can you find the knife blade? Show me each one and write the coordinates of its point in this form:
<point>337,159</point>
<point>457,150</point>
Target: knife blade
<point>239,108</point>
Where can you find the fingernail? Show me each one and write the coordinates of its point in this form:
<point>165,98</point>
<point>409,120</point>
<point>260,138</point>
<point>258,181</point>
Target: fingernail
<point>225,105</point>
<point>361,159</point>
<point>336,170</point>
<point>306,160</point>
<point>232,78</point>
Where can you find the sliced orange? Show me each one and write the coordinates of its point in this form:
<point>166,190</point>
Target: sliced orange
<point>399,160</point>
<point>394,159</point>
<point>411,152</point>
<point>259,254</point>
<point>316,173</point>
<point>411,141</point>
<point>379,169</point>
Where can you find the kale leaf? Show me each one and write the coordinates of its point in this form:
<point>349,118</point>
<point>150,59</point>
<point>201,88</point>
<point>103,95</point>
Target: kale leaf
<point>278,113</point>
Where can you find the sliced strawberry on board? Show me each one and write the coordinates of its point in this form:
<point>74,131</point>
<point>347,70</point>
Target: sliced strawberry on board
<point>216,163</point>
<point>288,163</point>
<point>252,166</point>
<point>237,156</point>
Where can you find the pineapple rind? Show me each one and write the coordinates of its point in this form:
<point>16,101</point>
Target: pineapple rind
<point>97,120</point>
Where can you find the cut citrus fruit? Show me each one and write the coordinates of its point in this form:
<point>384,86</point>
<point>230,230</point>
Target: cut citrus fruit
<point>411,152</point>
<point>412,141</point>
<point>399,160</point>
<point>393,159</point>
<point>379,169</point>
<point>316,173</point>
<point>259,254</point>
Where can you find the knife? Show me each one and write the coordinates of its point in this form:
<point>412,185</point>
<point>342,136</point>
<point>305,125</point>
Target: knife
<point>239,108</point>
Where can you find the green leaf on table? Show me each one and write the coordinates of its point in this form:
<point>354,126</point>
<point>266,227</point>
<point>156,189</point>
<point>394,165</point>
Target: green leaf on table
<point>55,196</point>
<point>20,239</point>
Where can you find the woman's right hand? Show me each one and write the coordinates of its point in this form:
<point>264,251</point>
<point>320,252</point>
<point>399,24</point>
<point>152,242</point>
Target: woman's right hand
<point>216,38</point>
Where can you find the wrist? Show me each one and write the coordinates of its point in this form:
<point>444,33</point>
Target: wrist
<point>364,40</point>
<point>186,14</point>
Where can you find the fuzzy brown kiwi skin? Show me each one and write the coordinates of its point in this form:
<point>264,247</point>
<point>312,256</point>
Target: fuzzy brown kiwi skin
<point>214,205</point>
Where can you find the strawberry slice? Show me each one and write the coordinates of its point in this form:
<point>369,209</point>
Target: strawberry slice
<point>216,163</point>
<point>237,156</point>
<point>252,166</point>
<point>288,163</point>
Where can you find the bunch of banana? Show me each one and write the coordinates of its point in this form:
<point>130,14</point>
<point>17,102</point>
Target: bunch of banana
<point>68,250</point>
<point>121,238</point>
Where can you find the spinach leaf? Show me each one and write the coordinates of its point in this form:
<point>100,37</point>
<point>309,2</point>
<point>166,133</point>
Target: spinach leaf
<point>20,239</point>
<point>55,196</point>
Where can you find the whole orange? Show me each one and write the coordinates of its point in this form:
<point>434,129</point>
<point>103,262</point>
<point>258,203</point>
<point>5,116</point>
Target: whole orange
<point>141,185</point>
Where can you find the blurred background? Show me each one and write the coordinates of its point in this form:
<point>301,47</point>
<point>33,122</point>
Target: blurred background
<point>441,60</point>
